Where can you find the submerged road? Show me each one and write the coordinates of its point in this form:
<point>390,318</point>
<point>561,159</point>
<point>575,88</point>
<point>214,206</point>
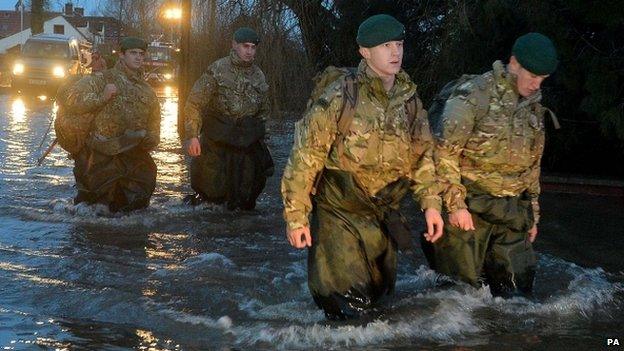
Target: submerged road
<point>173,277</point>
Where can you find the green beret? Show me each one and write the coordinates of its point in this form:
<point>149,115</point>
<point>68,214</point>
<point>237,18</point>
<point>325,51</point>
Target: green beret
<point>379,29</point>
<point>246,35</point>
<point>128,43</point>
<point>536,53</point>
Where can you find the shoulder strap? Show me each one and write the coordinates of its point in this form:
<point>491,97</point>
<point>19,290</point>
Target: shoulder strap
<point>411,108</point>
<point>483,100</point>
<point>349,103</point>
<point>347,113</point>
<point>553,117</point>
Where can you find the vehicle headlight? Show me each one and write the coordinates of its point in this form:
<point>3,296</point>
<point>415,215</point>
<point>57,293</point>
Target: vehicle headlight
<point>18,68</point>
<point>58,72</point>
<point>168,76</point>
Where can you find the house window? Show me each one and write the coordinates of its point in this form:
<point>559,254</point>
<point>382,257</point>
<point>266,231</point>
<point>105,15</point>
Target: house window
<point>59,29</point>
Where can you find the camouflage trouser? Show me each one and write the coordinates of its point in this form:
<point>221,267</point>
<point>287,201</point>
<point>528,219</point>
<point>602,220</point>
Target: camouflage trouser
<point>494,254</point>
<point>124,182</point>
<point>235,176</point>
<point>352,261</point>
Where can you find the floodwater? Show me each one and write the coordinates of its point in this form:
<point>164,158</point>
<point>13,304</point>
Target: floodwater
<point>172,277</point>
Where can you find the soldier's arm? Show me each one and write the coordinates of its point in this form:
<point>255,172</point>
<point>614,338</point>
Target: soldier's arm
<point>86,95</point>
<point>265,106</point>
<point>313,138</point>
<point>153,127</point>
<point>458,119</point>
<point>198,98</point>
<point>426,188</point>
<point>534,176</point>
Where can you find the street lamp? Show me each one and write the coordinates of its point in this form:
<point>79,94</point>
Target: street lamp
<point>173,14</point>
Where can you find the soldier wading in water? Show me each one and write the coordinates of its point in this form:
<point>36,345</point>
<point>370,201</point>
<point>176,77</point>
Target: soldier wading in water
<point>114,167</point>
<point>386,153</point>
<point>228,106</point>
<point>490,140</point>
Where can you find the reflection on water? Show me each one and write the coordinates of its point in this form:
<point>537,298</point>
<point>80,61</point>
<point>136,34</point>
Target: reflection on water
<point>171,166</point>
<point>18,110</point>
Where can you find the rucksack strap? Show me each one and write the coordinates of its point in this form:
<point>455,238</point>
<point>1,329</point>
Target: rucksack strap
<point>553,117</point>
<point>350,92</point>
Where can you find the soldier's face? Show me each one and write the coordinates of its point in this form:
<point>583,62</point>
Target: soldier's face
<point>385,59</point>
<point>527,82</point>
<point>133,58</point>
<point>245,51</point>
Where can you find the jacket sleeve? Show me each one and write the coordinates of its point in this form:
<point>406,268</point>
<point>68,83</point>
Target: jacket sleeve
<point>86,95</point>
<point>457,122</point>
<point>314,135</point>
<point>153,126</point>
<point>265,104</point>
<point>198,98</point>
<point>426,188</point>
<point>533,180</point>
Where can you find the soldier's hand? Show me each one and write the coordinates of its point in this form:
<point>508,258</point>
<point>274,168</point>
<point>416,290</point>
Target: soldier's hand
<point>193,148</point>
<point>461,219</point>
<point>110,90</point>
<point>533,233</point>
<point>434,225</point>
<point>300,238</point>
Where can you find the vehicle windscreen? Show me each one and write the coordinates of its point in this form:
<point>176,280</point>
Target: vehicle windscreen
<point>42,49</point>
<point>159,53</point>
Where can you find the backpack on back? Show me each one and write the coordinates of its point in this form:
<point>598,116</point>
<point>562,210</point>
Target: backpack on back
<point>452,89</point>
<point>448,91</point>
<point>72,129</point>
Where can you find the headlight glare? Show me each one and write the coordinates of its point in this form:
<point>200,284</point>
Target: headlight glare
<point>58,72</point>
<point>18,68</point>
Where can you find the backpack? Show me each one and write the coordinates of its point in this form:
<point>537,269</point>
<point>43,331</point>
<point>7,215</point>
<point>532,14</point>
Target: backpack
<point>450,90</point>
<point>348,75</point>
<point>72,129</point>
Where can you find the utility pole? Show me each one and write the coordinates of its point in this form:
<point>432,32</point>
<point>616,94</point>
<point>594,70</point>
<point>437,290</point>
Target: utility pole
<point>119,24</point>
<point>183,81</point>
<point>20,3</point>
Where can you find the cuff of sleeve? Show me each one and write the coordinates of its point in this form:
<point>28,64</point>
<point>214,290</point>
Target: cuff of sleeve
<point>296,224</point>
<point>459,205</point>
<point>431,202</point>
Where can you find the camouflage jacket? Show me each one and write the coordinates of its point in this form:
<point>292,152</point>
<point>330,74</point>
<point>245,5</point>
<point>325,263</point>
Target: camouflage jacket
<point>230,87</point>
<point>380,147</point>
<point>131,118</point>
<point>490,139</point>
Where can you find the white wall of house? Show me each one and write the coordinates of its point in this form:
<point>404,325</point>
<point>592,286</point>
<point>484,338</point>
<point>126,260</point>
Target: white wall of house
<point>48,28</point>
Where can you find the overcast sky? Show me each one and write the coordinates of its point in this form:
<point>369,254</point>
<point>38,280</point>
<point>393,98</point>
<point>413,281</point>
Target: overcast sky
<point>90,6</point>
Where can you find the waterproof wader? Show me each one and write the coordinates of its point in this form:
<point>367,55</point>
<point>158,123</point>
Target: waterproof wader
<point>124,181</point>
<point>496,253</point>
<point>234,162</point>
<point>352,261</point>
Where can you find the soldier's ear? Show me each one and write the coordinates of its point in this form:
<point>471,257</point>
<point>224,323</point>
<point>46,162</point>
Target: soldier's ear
<point>234,44</point>
<point>365,52</point>
<point>514,65</point>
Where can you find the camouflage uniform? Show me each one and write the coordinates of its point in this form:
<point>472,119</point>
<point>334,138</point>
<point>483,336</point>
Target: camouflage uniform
<point>352,261</point>
<point>488,151</point>
<point>228,106</point>
<point>115,167</point>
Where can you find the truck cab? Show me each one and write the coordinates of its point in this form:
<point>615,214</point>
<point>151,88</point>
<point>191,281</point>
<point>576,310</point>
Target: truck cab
<point>160,63</point>
<point>46,62</point>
